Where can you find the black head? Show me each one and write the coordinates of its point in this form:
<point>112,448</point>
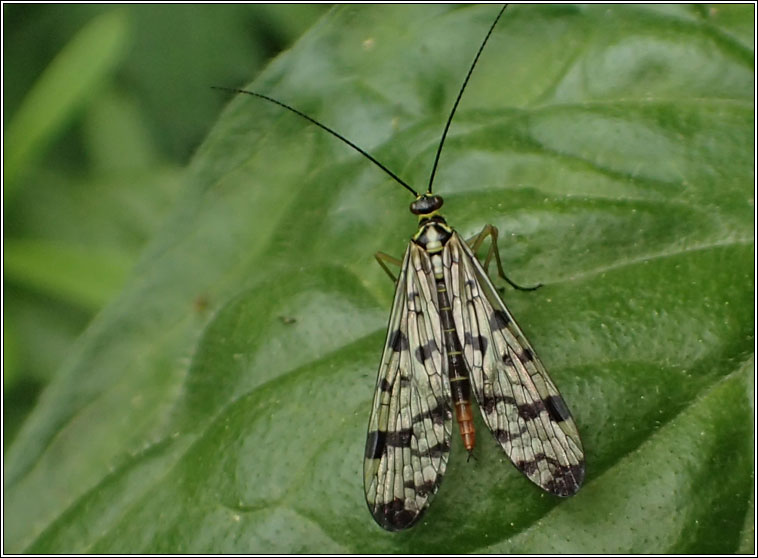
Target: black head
<point>426,204</point>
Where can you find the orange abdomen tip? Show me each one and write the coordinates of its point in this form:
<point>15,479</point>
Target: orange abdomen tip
<point>466,424</point>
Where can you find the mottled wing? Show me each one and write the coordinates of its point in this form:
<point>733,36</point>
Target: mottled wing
<point>519,402</point>
<point>409,429</point>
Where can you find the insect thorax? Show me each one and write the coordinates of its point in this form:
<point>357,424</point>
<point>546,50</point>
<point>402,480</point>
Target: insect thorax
<point>433,233</point>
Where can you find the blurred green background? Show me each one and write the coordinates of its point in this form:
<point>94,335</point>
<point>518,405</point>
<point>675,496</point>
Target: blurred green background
<point>104,107</point>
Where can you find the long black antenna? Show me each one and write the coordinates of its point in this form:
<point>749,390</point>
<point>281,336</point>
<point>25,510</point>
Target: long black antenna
<point>460,94</point>
<point>320,125</point>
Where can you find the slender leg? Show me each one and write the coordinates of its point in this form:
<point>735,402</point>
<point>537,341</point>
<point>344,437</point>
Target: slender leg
<point>385,259</point>
<point>476,242</point>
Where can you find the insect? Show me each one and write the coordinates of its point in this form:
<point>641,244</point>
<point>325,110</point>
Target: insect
<point>450,334</point>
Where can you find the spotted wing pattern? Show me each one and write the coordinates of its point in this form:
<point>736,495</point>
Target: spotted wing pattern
<point>409,430</point>
<point>518,400</point>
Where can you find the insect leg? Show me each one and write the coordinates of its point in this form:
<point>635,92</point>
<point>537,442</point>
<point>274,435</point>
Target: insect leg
<point>385,259</point>
<point>476,242</point>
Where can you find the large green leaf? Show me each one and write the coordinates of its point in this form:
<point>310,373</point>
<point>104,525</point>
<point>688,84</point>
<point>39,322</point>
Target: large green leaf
<point>220,403</point>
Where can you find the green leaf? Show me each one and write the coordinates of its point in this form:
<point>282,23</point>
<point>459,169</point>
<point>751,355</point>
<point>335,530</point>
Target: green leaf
<point>220,403</point>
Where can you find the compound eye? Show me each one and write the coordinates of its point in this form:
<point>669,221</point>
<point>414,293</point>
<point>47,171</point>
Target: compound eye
<point>426,204</point>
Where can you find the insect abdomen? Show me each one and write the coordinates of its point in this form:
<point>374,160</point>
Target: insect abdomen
<point>460,386</point>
